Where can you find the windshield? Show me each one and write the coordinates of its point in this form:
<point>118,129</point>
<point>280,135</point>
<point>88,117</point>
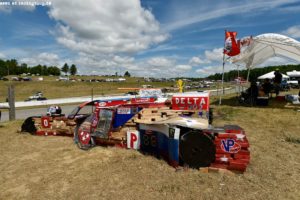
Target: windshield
<point>104,124</point>
<point>86,110</point>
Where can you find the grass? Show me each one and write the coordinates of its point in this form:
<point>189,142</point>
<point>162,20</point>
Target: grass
<point>35,167</point>
<point>60,89</point>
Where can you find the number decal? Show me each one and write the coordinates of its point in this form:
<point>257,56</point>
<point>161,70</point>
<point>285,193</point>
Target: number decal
<point>146,140</point>
<point>150,140</point>
<point>45,122</point>
<point>153,141</point>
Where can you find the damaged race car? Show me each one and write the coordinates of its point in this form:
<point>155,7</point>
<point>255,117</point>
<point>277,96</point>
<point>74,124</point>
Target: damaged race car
<point>180,130</point>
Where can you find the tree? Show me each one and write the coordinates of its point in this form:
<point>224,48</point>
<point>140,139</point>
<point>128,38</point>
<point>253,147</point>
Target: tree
<point>55,71</point>
<point>73,70</point>
<point>12,66</point>
<point>127,74</point>
<point>65,68</point>
<point>3,68</point>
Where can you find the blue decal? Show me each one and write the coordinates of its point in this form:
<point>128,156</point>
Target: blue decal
<point>230,146</point>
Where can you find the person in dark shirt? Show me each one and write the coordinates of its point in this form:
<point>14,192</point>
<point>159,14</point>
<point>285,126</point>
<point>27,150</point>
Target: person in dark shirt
<point>252,93</point>
<point>277,81</point>
<point>267,86</point>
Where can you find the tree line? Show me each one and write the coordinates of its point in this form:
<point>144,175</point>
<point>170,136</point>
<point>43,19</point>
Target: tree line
<point>12,67</point>
<point>254,73</point>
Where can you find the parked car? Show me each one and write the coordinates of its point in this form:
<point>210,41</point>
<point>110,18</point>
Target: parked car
<point>37,96</point>
<point>131,93</point>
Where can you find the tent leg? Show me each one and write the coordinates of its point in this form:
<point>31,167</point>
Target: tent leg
<point>248,74</point>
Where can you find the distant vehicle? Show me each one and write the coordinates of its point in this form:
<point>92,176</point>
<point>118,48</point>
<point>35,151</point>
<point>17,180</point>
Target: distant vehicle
<point>208,82</point>
<point>131,93</point>
<point>63,78</point>
<point>294,77</point>
<point>3,79</point>
<point>26,79</point>
<point>38,96</point>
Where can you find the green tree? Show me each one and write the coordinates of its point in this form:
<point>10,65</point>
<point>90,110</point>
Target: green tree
<point>52,70</point>
<point>73,70</point>
<point>23,68</point>
<point>127,74</point>
<point>12,66</point>
<point>65,68</point>
<point>3,68</point>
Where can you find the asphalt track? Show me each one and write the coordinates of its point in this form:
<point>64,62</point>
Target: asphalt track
<point>24,113</point>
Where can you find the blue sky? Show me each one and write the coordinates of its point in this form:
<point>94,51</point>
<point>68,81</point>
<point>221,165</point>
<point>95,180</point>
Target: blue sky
<point>163,38</point>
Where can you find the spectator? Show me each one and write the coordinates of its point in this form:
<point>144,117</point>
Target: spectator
<point>251,94</point>
<point>267,86</point>
<point>277,81</point>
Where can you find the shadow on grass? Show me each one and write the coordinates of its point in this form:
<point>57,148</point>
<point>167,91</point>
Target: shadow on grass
<point>292,139</point>
<point>234,102</point>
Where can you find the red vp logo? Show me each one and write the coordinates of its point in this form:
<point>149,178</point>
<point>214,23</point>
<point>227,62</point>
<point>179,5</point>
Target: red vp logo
<point>230,146</point>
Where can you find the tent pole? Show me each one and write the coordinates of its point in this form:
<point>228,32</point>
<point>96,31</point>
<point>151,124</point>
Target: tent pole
<point>248,74</point>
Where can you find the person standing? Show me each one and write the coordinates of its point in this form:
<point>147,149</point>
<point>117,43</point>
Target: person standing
<point>277,81</point>
<point>267,86</point>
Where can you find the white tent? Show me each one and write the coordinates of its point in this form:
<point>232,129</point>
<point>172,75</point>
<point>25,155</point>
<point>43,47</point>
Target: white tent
<point>271,75</point>
<point>294,73</point>
<point>258,49</point>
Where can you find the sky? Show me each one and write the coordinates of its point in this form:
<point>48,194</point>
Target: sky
<point>150,38</point>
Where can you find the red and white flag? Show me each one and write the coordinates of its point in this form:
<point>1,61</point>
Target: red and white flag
<point>232,47</point>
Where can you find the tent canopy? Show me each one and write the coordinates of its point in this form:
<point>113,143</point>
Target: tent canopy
<point>294,73</point>
<point>262,47</point>
<point>271,75</point>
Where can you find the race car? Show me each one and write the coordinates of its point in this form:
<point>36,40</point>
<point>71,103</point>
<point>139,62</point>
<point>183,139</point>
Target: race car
<point>179,131</point>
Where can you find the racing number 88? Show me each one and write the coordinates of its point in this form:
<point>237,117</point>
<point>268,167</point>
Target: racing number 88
<point>150,140</point>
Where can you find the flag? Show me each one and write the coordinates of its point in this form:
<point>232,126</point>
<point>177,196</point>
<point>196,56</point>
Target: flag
<point>231,47</point>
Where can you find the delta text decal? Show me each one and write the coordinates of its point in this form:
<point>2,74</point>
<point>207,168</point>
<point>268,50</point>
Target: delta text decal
<point>190,103</point>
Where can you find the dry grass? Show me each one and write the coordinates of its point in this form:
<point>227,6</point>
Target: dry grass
<point>35,167</point>
<point>60,89</point>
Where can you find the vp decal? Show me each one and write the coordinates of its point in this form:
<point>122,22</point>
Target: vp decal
<point>230,146</point>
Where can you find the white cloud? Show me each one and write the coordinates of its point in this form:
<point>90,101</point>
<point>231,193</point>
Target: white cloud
<point>205,71</point>
<point>2,56</point>
<point>183,68</point>
<point>44,58</point>
<point>105,26</point>
<point>195,61</point>
<point>199,12</point>
<point>214,55</point>
<point>161,62</point>
<point>293,31</point>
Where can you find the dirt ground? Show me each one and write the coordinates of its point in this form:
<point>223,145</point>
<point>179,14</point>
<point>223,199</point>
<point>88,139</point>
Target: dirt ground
<point>33,167</point>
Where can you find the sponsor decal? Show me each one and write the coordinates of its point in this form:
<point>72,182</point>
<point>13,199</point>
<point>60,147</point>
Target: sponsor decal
<point>190,103</point>
<point>102,104</point>
<point>230,146</point>
<point>124,110</point>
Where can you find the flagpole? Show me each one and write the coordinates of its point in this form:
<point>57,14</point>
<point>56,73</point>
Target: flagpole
<point>220,101</point>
